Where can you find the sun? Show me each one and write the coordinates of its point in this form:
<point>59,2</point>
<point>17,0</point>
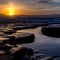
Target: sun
<point>11,14</point>
<point>11,11</point>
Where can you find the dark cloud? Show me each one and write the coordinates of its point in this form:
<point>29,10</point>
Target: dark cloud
<point>3,1</point>
<point>37,3</point>
<point>45,1</point>
<point>33,4</point>
<point>50,3</point>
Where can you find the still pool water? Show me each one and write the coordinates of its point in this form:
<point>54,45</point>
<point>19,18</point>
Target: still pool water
<point>45,44</point>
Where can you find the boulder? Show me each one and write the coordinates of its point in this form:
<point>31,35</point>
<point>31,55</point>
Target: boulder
<point>20,53</point>
<point>22,38</point>
<point>9,31</point>
<point>51,31</point>
<point>17,38</point>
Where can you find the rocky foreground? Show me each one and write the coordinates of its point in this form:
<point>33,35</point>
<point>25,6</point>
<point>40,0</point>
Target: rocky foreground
<point>10,48</point>
<point>23,53</point>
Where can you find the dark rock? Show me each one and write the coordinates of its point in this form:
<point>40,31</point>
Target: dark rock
<point>17,38</point>
<point>24,27</point>
<point>51,31</point>
<point>3,39</point>
<point>6,38</point>
<point>30,52</point>
<point>22,38</point>
<point>21,53</point>
<point>18,27</point>
<point>4,47</point>
<point>10,41</point>
<point>4,55</point>
<point>9,31</point>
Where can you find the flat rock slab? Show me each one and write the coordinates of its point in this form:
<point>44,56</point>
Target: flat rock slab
<point>3,39</point>
<point>24,27</point>
<point>23,37</point>
<point>17,38</point>
<point>9,31</point>
<point>51,32</point>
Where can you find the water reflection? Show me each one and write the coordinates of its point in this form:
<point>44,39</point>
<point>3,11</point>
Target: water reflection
<point>45,44</point>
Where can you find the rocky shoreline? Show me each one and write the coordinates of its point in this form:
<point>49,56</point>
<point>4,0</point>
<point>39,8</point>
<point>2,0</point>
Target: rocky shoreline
<point>10,50</point>
<point>9,38</point>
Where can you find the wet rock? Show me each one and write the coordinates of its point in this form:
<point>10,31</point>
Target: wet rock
<point>17,38</point>
<point>4,55</point>
<point>10,41</point>
<point>56,59</point>
<point>24,27</point>
<point>2,52</point>
<point>23,37</point>
<point>3,39</point>
<point>47,58</point>
<point>51,31</point>
<point>6,38</point>
<point>11,31</point>
<point>22,53</point>
<point>36,51</point>
<point>5,47</point>
<point>30,52</point>
<point>19,27</point>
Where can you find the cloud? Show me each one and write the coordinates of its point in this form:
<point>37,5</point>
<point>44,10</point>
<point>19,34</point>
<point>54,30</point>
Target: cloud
<point>3,2</point>
<point>45,1</point>
<point>34,4</point>
<point>53,2</point>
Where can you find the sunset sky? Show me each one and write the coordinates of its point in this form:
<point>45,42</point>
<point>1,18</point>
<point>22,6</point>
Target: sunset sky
<point>30,7</point>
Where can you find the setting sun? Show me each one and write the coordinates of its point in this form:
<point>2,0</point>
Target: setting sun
<point>11,14</point>
<point>11,11</point>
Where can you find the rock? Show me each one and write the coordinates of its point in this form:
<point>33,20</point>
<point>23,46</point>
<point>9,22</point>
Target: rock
<point>24,27</point>
<point>21,53</point>
<point>51,31</point>
<point>36,51</point>
<point>56,58</point>
<point>9,31</point>
<point>10,41</point>
<point>30,52</point>
<point>5,48</point>
<point>17,38</point>
<point>19,27</point>
<point>3,39</point>
<point>5,55</point>
<point>23,37</point>
<point>47,58</point>
<point>2,52</point>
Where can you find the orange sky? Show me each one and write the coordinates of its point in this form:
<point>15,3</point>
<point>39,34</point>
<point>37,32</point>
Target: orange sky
<point>21,10</point>
<point>29,7</point>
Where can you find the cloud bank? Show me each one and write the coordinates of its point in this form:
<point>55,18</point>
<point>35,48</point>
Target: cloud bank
<point>35,5</point>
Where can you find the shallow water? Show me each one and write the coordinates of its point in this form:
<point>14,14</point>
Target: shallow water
<point>45,44</point>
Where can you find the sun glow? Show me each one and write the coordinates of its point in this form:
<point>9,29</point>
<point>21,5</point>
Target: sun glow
<point>11,14</point>
<point>11,10</point>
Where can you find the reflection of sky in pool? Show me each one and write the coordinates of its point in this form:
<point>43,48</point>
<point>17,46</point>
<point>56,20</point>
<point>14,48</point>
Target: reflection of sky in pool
<point>45,44</point>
